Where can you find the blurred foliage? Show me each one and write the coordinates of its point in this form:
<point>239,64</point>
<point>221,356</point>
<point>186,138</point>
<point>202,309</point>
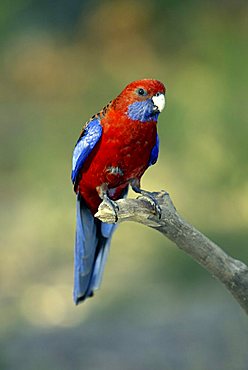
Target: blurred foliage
<point>60,63</point>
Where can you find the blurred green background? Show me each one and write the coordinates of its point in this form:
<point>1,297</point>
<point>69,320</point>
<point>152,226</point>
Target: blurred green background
<point>60,63</point>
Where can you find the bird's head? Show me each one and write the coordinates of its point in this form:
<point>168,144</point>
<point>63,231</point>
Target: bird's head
<point>142,100</point>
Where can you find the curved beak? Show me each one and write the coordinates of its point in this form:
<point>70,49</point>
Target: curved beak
<point>158,102</point>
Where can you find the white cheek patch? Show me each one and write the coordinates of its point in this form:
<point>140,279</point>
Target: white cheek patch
<point>159,101</point>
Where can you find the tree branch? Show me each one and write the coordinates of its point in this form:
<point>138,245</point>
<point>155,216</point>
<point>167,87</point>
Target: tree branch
<point>231,272</point>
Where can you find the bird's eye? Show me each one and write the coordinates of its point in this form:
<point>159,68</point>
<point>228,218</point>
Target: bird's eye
<point>141,92</point>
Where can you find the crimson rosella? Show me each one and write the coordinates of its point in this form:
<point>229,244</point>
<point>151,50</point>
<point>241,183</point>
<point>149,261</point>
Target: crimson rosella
<point>115,148</point>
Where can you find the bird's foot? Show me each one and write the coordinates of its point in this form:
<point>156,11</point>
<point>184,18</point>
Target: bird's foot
<point>153,201</point>
<point>113,206</point>
<point>150,198</point>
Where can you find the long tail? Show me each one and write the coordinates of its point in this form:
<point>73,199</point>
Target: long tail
<point>91,249</point>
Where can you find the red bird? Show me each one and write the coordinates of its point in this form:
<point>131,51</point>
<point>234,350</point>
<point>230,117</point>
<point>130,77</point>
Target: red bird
<point>113,151</point>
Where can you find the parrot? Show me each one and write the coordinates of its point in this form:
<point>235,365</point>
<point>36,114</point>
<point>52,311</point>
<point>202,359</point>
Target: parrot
<point>113,151</point>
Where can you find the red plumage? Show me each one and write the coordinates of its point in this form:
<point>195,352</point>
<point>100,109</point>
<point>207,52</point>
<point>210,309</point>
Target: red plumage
<point>125,144</point>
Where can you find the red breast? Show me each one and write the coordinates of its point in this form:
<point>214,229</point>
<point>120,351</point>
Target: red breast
<point>126,145</point>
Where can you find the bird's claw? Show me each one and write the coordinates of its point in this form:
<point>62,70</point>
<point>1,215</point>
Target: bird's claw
<point>103,194</point>
<point>135,184</point>
<point>152,201</point>
<point>112,205</point>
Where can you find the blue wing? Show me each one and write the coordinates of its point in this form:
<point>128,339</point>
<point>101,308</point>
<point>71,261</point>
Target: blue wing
<point>91,135</point>
<point>154,153</point>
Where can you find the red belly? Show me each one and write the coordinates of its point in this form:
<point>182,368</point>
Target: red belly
<point>126,147</point>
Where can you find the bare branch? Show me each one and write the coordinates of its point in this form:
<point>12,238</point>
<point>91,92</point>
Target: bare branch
<point>231,272</point>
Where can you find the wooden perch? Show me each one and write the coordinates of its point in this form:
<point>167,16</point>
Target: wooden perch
<point>231,272</point>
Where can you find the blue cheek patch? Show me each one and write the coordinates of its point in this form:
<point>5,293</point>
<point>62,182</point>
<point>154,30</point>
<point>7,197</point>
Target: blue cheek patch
<point>142,111</point>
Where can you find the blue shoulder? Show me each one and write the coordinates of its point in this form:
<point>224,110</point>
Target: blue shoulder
<point>154,153</point>
<point>91,135</point>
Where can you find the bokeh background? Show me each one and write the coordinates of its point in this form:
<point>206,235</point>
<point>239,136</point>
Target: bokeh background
<point>61,61</point>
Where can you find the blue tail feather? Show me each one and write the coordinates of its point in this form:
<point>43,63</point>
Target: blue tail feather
<point>91,249</point>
